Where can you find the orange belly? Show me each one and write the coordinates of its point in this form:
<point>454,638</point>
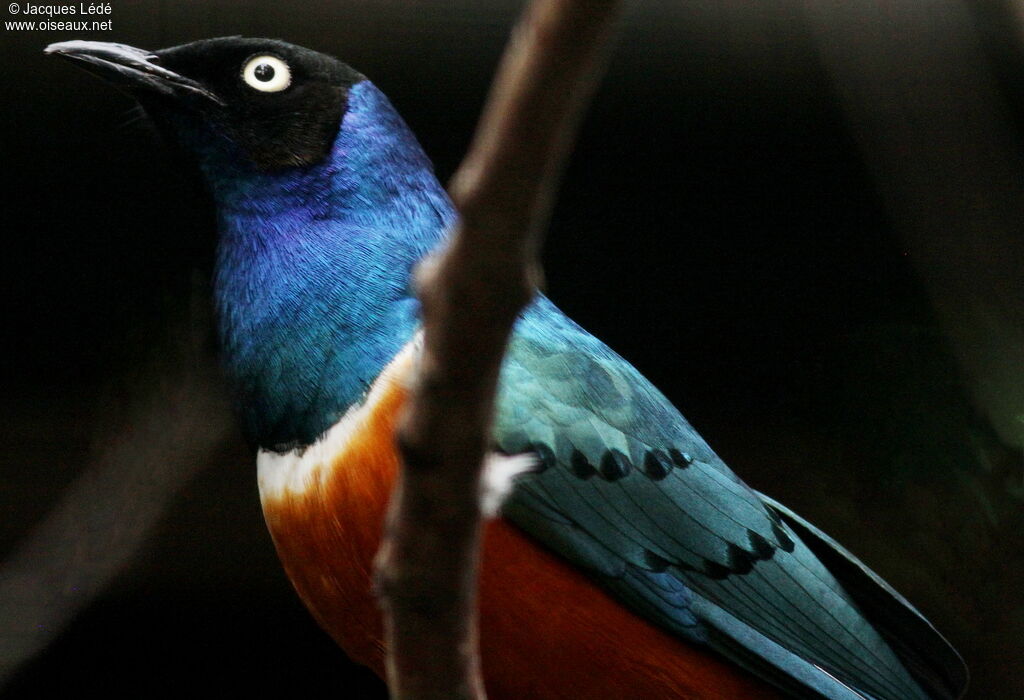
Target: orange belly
<point>546,630</point>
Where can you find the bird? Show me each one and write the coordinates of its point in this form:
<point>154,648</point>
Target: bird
<point>628,562</point>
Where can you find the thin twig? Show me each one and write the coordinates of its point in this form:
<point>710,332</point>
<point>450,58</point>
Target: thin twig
<point>471,293</point>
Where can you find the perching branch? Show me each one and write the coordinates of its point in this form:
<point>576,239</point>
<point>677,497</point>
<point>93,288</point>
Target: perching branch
<point>471,293</point>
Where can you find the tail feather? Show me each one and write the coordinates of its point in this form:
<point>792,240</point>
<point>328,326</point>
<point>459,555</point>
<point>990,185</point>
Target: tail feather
<point>760,655</point>
<point>921,648</point>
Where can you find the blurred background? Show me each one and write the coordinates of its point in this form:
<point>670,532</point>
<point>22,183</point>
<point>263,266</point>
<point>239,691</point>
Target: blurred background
<point>800,218</point>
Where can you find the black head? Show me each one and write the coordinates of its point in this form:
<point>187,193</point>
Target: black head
<point>271,103</point>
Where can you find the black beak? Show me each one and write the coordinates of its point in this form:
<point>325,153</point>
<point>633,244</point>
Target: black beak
<point>133,69</point>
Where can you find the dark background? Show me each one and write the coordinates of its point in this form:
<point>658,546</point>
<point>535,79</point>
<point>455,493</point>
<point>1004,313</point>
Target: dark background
<point>720,226</point>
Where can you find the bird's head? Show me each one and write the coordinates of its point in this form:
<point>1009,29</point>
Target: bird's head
<point>255,103</point>
<point>325,201</point>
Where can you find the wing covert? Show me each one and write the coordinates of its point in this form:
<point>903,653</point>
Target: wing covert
<point>629,491</point>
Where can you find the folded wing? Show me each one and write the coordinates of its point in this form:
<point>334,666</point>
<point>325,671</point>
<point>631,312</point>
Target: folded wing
<point>630,492</point>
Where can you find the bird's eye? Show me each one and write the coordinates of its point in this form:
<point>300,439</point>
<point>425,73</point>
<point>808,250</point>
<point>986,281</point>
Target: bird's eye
<point>266,73</point>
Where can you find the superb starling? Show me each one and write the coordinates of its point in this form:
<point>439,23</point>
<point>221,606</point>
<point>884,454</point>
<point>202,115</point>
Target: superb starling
<point>630,563</point>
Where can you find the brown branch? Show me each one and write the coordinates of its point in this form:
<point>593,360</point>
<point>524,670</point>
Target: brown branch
<point>471,293</point>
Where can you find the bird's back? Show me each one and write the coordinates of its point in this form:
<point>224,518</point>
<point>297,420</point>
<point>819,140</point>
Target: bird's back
<point>629,505</point>
<point>547,629</point>
<point>634,496</point>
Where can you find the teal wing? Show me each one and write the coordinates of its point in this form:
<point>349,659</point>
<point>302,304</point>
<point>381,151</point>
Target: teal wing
<point>628,491</point>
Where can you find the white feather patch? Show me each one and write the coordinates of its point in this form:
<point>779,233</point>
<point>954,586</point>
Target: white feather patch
<point>498,479</point>
<point>302,469</point>
<point>298,471</point>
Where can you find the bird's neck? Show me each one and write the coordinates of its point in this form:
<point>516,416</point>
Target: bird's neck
<point>312,280</point>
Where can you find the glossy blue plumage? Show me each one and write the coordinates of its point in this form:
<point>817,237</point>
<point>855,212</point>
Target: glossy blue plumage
<point>312,283</point>
<point>313,296</point>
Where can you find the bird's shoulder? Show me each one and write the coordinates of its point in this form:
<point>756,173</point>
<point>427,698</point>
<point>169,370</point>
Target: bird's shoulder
<point>618,457</point>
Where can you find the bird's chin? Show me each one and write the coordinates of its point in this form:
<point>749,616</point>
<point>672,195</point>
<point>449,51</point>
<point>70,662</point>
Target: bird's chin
<point>135,70</point>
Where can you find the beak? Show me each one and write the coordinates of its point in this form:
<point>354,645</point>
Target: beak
<point>133,69</point>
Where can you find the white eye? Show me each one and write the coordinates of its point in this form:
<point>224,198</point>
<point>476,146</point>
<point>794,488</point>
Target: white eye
<point>266,74</point>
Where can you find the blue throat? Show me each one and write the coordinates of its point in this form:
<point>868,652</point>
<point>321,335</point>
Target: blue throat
<point>312,279</point>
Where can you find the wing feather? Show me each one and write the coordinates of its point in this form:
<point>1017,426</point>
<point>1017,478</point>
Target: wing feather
<point>630,492</point>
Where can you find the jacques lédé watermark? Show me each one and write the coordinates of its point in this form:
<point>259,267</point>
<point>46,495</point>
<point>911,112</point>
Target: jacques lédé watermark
<point>77,17</point>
